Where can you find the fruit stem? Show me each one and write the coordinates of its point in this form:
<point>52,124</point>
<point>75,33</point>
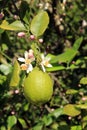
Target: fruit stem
<point>36,50</point>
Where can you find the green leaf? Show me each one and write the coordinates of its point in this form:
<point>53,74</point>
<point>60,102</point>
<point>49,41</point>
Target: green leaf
<point>11,121</point>
<point>23,123</point>
<point>17,25</point>
<point>64,57</point>
<point>83,81</point>
<point>39,23</point>
<point>81,106</point>
<point>5,68</point>
<point>78,127</point>
<point>39,126</point>
<point>47,120</point>
<point>57,112</point>
<point>69,54</point>
<point>55,68</point>
<point>77,43</point>
<point>71,91</point>
<point>15,78</point>
<point>71,110</point>
<point>84,121</point>
<point>2,128</point>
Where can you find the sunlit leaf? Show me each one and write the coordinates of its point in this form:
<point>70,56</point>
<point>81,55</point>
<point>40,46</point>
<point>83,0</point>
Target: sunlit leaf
<point>38,127</point>
<point>39,23</point>
<point>23,123</point>
<point>3,59</point>
<point>11,121</point>
<point>67,56</point>
<point>57,112</point>
<point>77,127</point>
<point>83,80</point>
<point>5,68</point>
<point>47,120</point>
<point>81,106</point>
<point>71,110</point>
<point>15,78</point>
<point>84,121</point>
<point>2,128</point>
<point>55,68</point>
<point>77,43</point>
<point>64,57</point>
<point>71,91</point>
<point>17,25</point>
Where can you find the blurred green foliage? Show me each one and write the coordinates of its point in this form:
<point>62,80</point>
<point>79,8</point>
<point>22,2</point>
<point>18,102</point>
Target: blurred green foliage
<point>65,41</point>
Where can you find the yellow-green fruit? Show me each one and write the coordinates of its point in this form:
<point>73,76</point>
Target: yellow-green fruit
<point>38,86</point>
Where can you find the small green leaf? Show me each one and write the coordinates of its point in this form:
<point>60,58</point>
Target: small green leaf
<point>5,68</point>
<point>39,23</point>
<point>47,120</point>
<point>57,112</point>
<point>23,123</point>
<point>71,110</point>
<point>71,91</point>
<point>2,128</point>
<point>77,127</point>
<point>83,81</point>
<point>11,121</point>
<point>81,106</point>
<point>39,126</point>
<point>77,43</point>
<point>15,75</point>
<point>84,121</point>
<point>17,25</point>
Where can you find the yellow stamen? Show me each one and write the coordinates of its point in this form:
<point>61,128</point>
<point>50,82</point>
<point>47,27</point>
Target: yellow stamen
<point>46,63</point>
<point>24,67</point>
<point>27,61</point>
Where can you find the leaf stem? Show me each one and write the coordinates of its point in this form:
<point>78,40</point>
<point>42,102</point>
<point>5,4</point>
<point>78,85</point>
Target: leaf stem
<point>5,56</point>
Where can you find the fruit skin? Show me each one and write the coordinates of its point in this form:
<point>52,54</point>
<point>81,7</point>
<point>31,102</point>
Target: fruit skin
<point>38,87</point>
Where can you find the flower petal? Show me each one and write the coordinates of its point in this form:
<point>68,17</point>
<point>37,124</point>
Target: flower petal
<point>30,68</point>
<point>49,65</point>
<point>21,59</point>
<point>42,56</point>
<point>26,55</point>
<point>43,68</point>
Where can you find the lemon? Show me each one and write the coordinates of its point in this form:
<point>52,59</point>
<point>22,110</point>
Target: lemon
<point>38,86</point>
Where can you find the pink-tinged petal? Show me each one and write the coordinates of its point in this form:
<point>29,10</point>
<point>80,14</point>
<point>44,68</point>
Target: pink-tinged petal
<point>26,55</point>
<point>32,37</point>
<point>21,59</point>
<point>31,51</point>
<point>21,34</point>
<point>31,54</point>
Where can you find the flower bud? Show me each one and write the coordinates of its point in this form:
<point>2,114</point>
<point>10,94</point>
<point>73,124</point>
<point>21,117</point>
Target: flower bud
<point>16,91</point>
<point>1,15</point>
<point>21,34</point>
<point>32,37</point>
<point>40,40</point>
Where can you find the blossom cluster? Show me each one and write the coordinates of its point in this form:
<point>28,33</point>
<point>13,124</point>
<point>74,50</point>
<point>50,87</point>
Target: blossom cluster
<point>29,58</point>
